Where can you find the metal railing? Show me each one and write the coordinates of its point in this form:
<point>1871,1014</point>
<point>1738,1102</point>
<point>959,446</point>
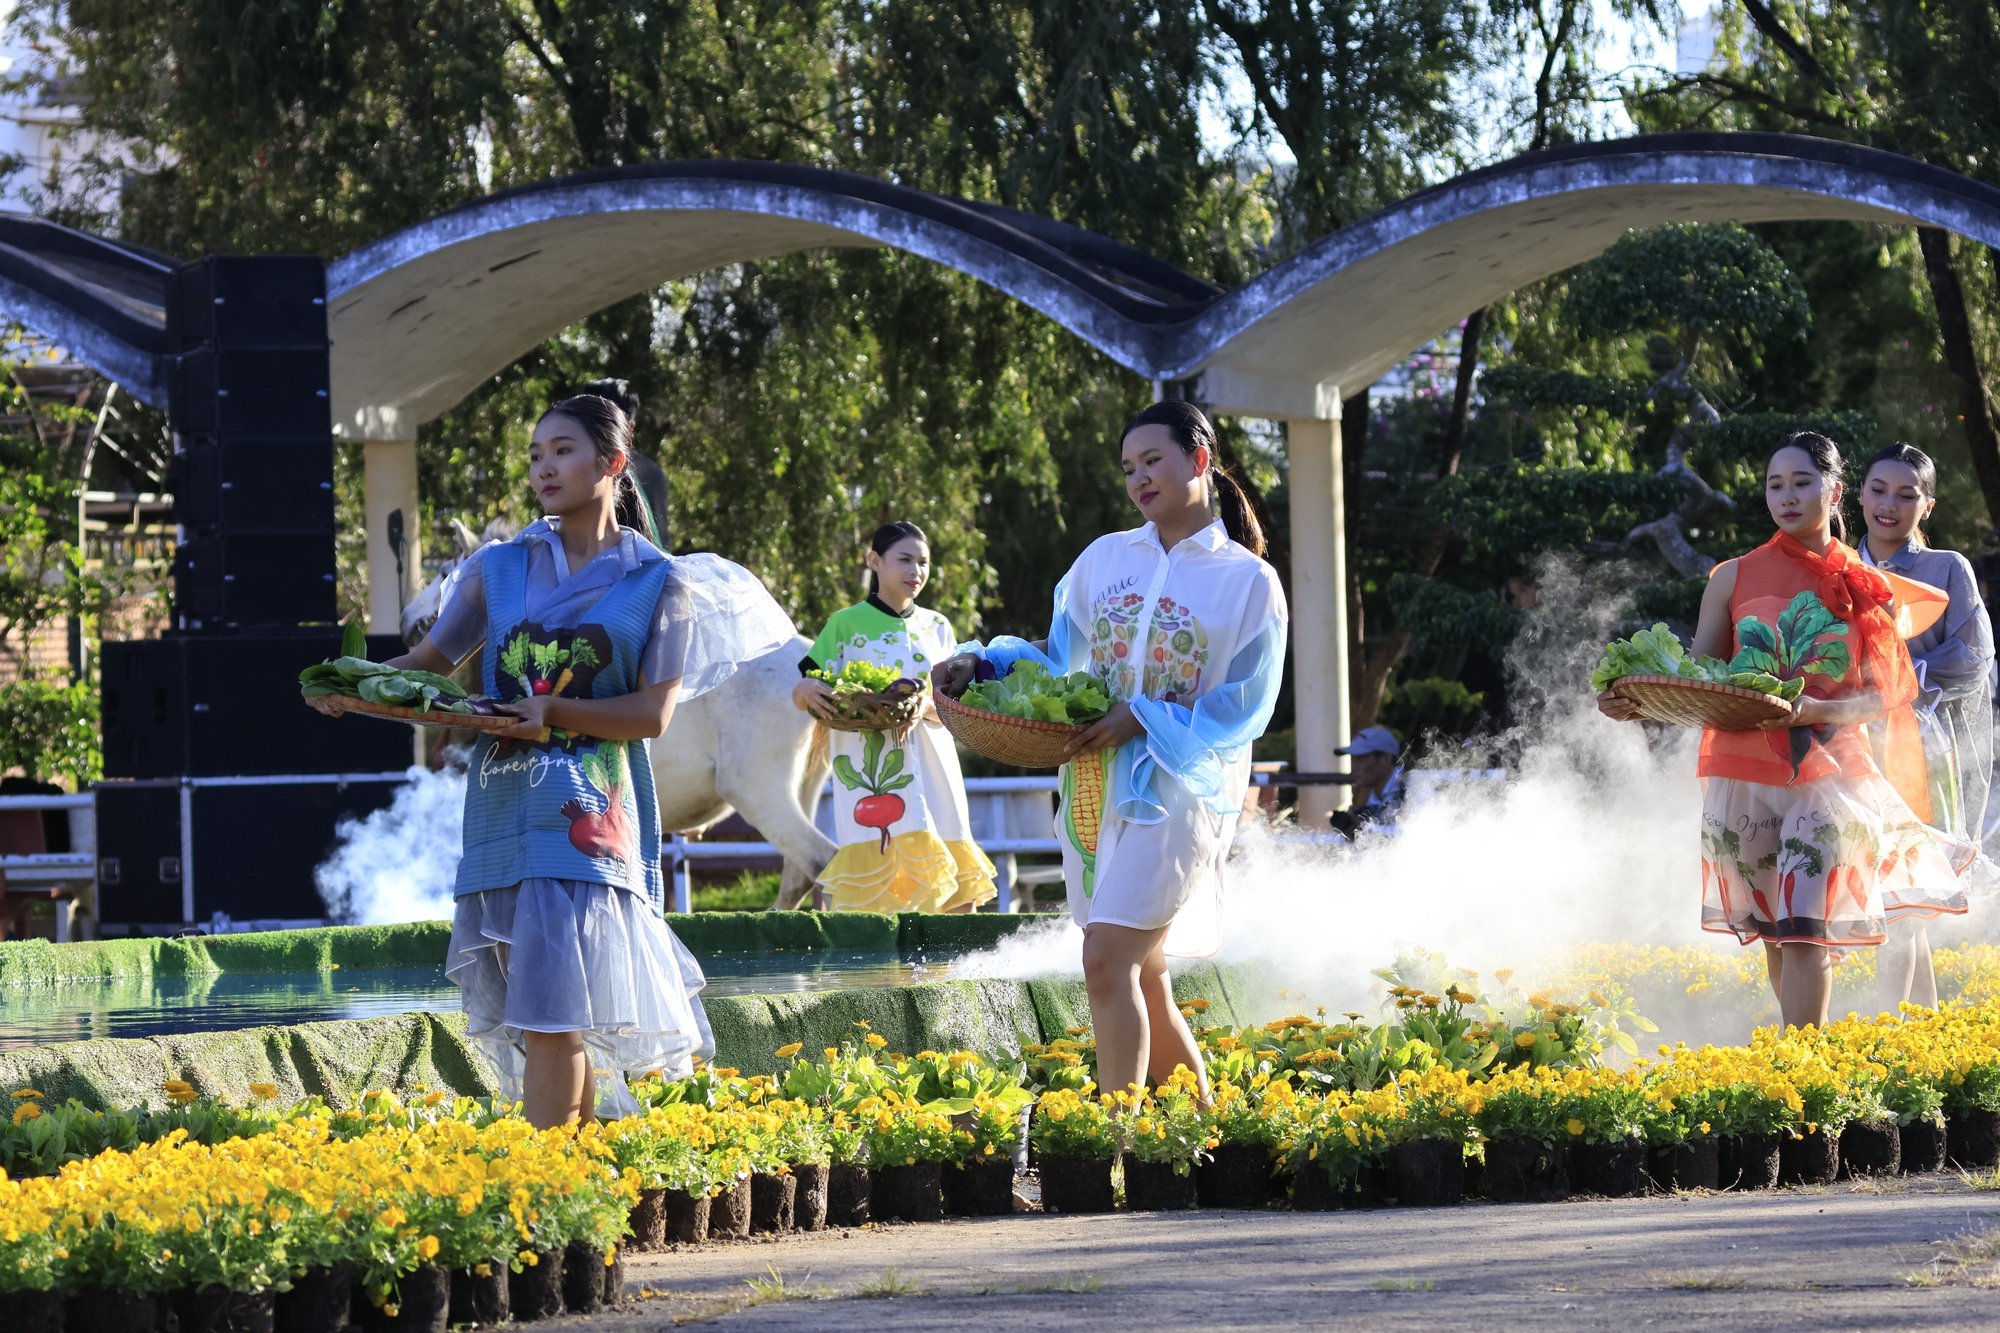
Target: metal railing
<point>989,796</point>
<point>994,827</point>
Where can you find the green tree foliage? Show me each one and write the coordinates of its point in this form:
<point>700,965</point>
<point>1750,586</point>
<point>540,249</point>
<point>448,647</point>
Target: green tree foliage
<point>1915,78</point>
<point>1616,459</point>
<point>51,730</point>
<point>795,403</point>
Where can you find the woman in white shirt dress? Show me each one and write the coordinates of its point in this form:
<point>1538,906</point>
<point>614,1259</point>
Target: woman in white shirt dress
<point>1185,623</point>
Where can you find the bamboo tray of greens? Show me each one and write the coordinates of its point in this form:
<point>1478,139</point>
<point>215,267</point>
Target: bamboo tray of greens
<point>1656,673</point>
<point>351,683</point>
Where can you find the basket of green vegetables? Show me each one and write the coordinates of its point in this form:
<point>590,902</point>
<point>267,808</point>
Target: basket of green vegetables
<point>867,697</point>
<point>1027,717</point>
<point>1656,673</point>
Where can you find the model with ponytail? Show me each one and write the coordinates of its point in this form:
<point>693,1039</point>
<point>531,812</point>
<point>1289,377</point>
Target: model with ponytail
<point>1814,836</point>
<point>1185,623</point>
<point>591,637</point>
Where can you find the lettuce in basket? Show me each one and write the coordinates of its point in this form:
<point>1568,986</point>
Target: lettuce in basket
<point>858,678</point>
<point>1656,652</point>
<point>1030,691</point>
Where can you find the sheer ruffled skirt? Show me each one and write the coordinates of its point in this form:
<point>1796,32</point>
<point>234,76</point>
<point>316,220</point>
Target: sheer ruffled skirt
<point>552,955</point>
<point>1829,862</point>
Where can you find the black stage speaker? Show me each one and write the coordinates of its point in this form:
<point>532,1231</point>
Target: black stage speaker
<point>256,579</point>
<point>249,301</point>
<point>227,705</point>
<point>138,854</point>
<point>270,394</point>
<point>254,487</point>
<point>253,849</point>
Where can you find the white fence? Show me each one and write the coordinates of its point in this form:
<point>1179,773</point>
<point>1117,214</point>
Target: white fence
<point>1011,818</point>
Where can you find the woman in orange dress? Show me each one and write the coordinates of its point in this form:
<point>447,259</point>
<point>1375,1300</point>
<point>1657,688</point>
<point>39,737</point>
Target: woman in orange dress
<point>1807,845</point>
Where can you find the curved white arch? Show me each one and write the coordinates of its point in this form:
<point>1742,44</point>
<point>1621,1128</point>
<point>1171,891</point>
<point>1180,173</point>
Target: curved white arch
<point>421,318</point>
<point>1351,306</point>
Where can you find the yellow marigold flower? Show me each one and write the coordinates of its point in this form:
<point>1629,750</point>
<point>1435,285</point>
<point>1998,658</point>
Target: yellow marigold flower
<point>25,1094</point>
<point>789,1050</point>
<point>1575,1127</point>
<point>528,1258</point>
<point>427,1248</point>
<point>482,1270</point>
<point>264,1091</point>
<point>861,1023</point>
<point>25,1112</point>
<point>877,1040</point>
<point>1524,1039</point>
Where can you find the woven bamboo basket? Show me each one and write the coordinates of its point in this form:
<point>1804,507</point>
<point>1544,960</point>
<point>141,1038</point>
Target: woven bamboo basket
<point>333,705</point>
<point>1701,703</point>
<point>1019,741</point>
<point>890,709</point>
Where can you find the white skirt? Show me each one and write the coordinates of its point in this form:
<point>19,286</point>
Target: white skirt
<point>553,955</point>
<point>1167,873</point>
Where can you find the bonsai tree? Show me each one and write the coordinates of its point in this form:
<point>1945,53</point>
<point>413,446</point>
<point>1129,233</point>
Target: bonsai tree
<point>1623,428</point>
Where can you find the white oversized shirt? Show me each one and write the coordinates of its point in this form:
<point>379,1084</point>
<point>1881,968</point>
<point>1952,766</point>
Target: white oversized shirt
<point>1193,639</point>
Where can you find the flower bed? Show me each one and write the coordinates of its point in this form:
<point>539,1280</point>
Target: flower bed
<point>203,1198</point>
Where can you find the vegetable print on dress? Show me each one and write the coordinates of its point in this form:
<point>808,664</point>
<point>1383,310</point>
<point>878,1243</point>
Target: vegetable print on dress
<point>564,663</point>
<point>1804,840</point>
<point>1145,828</point>
<point>900,817</point>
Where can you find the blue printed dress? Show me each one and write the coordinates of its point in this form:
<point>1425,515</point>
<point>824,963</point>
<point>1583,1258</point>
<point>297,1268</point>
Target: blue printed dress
<point>1193,640</point>
<point>559,893</point>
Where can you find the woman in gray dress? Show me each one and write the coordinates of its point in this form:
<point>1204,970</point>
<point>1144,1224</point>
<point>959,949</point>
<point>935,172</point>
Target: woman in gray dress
<point>1954,659</point>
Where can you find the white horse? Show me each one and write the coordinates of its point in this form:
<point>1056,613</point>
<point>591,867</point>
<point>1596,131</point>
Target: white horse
<point>742,746</point>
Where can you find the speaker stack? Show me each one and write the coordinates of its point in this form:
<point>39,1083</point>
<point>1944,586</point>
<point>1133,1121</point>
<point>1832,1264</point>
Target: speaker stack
<point>253,441</point>
<point>224,790</point>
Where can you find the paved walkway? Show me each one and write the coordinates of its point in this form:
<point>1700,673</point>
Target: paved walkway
<point>1905,1255</point>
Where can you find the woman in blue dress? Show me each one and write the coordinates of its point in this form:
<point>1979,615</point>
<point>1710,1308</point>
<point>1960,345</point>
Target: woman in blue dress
<point>591,636</point>
<point>1954,706</point>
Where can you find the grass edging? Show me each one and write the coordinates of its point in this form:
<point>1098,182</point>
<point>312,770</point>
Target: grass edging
<point>422,944</point>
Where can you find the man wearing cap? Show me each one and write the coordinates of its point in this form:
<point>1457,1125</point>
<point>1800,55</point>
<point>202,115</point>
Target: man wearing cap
<point>1377,779</point>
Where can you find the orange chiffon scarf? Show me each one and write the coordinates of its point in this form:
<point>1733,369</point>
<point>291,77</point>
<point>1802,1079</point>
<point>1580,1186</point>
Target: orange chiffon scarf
<point>1864,601</point>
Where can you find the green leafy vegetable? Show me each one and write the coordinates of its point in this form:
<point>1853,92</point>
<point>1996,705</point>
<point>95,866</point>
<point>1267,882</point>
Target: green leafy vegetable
<point>359,678</point>
<point>858,678</point>
<point>1030,691</point>
<point>1656,652</point>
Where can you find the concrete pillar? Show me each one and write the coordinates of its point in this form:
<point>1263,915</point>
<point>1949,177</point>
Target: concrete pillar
<point>1319,609</point>
<point>390,468</point>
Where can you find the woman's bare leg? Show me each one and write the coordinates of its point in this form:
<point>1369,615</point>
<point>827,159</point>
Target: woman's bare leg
<point>1113,959</point>
<point>1896,964</point>
<point>1805,984</point>
<point>1774,969</point>
<point>1923,977</point>
<point>1169,1040</point>
<point>556,1087</point>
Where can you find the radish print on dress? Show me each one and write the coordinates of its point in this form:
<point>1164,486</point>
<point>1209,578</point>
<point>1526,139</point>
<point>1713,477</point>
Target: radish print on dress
<point>613,832</point>
<point>881,776</point>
